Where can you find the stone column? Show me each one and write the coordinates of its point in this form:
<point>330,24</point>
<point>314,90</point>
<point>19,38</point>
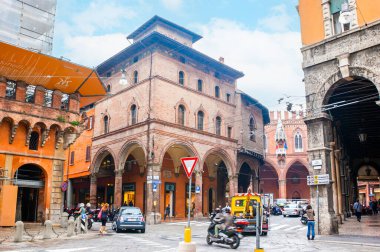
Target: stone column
<point>333,178</point>
<point>282,188</point>
<point>327,22</point>
<point>319,136</point>
<point>56,200</point>
<point>153,215</point>
<point>93,187</point>
<point>118,188</point>
<point>198,196</point>
<point>338,185</point>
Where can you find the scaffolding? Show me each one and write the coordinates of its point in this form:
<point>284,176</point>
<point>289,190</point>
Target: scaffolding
<point>28,23</point>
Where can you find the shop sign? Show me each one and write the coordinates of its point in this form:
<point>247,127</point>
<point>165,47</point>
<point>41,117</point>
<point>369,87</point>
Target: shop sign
<point>129,187</point>
<point>197,189</point>
<point>169,188</point>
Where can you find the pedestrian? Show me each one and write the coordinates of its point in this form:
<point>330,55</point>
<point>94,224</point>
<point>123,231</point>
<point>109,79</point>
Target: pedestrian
<point>103,214</point>
<point>167,211</point>
<point>130,203</point>
<point>310,222</point>
<point>358,210</point>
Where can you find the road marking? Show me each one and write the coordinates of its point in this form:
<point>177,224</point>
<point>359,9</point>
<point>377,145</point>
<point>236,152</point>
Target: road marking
<point>165,250</point>
<point>278,227</point>
<point>69,249</point>
<point>291,228</point>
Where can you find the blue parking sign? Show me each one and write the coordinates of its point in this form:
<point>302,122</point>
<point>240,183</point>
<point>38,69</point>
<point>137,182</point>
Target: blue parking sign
<point>154,187</point>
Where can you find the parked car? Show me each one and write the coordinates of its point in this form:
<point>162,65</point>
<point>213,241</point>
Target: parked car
<point>292,210</point>
<point>128,218</point>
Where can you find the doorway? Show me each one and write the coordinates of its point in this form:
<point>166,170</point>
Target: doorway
<point>30,196</point>
<point>170,197</point>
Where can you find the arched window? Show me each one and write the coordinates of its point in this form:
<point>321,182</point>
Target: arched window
<point>218,125</point>
<point>33,142</point>
<point>252,133</point>
<point>108,88</point>
<point>200,118</point>
<point>298,142</point>
<point>217,91</point>
<point>200,85</point>
<point>181,78</point>
<point>181,114</point>
<point>135,77</point>
<point>133,114</point>
<point>106,124</point>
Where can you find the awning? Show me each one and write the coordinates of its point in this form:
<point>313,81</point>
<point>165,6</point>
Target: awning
<point>18,64</point>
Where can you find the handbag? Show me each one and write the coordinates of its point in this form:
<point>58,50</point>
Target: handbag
<point>100,214</point>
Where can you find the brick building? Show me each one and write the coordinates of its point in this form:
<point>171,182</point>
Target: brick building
<point>286,166</point>
<point>39,120</point>
<point>166,101</point>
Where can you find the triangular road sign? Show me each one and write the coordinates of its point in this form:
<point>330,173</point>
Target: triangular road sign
<point>189,165</point>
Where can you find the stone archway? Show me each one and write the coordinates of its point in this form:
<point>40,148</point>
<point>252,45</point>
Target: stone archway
<point>296,182</point>
<point>246,178</point>
<point>269,181</point>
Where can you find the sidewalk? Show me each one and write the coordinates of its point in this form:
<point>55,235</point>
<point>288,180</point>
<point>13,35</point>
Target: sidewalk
<point>366,232</point>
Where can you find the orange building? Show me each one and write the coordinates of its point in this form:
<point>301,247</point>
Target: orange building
<point>39,120</point>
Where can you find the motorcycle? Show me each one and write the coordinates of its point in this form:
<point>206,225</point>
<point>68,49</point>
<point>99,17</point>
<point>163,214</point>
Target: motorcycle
<point>276,210</point>
<point>230,236</point>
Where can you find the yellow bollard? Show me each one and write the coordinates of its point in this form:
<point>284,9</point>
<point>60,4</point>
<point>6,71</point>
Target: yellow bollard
<point>187,234</point>
<point>259,250</point>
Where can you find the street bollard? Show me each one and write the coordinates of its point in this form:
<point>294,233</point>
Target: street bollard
<point>64,219</point>
<point>187,245</point>
<point>19,231</point>
<point>70,227</point>
<point>48,229</point>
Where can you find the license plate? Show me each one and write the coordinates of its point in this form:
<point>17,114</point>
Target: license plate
<point>131,219</point>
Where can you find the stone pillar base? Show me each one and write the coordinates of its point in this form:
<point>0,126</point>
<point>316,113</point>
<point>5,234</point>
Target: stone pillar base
<point>187,247</point>
<point>340,219</point>
<point>153,218</point>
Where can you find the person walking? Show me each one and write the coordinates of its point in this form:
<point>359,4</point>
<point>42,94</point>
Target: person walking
<point>167,212</point>
<point>310,222</point>
<point>358,210</point>
<point>103,214</point>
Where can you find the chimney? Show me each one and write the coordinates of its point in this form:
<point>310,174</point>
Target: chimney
<point>221,60</point>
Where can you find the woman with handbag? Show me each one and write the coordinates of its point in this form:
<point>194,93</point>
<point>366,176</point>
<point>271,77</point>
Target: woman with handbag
<point>103,216</point>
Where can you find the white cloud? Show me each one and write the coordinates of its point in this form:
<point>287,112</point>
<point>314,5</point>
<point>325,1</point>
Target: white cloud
<point>172,5</point>
<point>271,62</point>
<point>279,21</point>
<point>93,50</point>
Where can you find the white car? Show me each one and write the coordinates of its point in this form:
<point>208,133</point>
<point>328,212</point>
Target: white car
<point>292,210</point>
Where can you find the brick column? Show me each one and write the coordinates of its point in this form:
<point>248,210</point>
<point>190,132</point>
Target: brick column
<point>20,91</point>
<point>56,199</point>
<point>57,96</point>
<point>39,96</point>
<point>118,188</point>
<point>153,215</point>
<point>93,188</point>
<point>74,103</point>
<point>282,189</point>
<point>3,86</point>
<point>198,196</point>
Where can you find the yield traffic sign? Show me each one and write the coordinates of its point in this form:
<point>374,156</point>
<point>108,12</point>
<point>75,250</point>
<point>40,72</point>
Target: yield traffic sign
<point>189,165</point>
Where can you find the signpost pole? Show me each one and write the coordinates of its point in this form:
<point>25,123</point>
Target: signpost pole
<point>189,210</point>
<point>319,232</point>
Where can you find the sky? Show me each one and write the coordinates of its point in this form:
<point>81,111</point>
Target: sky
<point>261,38</point>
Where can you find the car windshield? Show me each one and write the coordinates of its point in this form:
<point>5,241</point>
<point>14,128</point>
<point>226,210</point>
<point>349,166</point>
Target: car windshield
<point>291,206</point>
<point>130,211</point>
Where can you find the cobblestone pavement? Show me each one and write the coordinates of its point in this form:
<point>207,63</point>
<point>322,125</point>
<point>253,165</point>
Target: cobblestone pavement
<point>286,234</point>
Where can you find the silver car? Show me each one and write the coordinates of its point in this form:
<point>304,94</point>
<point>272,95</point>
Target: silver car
<point>292,210</point>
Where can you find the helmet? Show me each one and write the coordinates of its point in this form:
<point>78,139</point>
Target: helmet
<point>228,210</point>
<point>81,205</point>
<point>217,210</point>
<point>88,205</point>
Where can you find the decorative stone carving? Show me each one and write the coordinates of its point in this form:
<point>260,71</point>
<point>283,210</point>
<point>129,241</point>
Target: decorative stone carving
<point>45,135</point>
<point>59,139</point>
<point>13,133</point>
<point>28,135</point>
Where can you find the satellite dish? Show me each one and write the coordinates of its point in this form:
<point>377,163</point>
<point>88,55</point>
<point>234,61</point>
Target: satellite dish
<point>345,17</point>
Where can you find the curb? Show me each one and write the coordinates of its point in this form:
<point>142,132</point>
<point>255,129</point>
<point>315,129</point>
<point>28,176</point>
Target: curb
<point>351,243</point>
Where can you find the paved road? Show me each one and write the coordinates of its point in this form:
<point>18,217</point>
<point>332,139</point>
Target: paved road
<point>286,234</point>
